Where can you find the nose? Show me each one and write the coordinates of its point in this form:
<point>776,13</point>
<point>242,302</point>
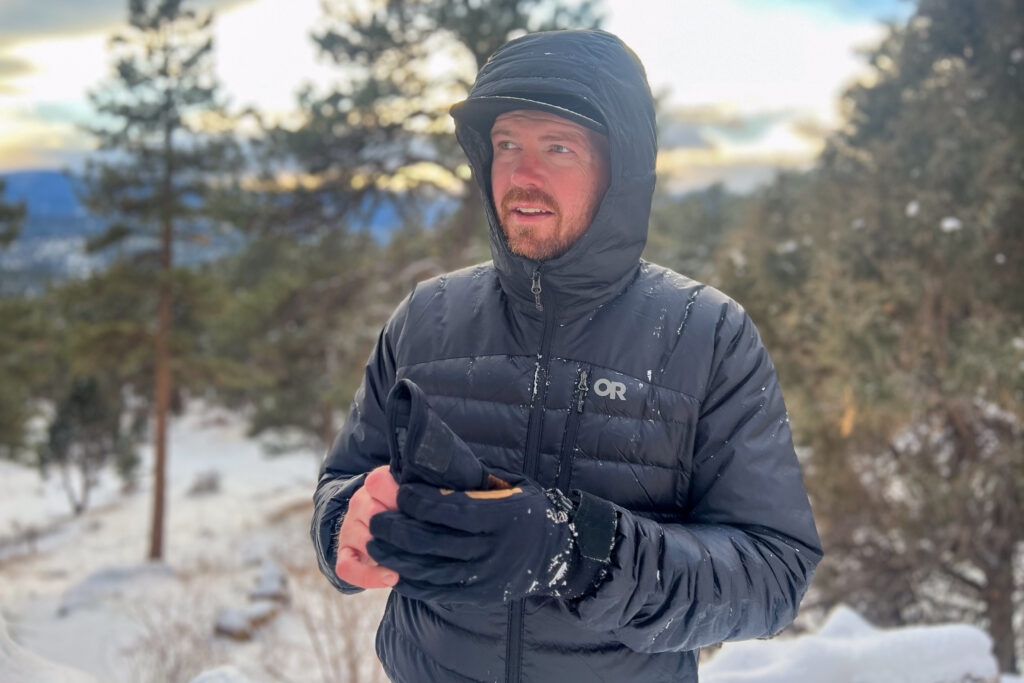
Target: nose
<point>526,172</point>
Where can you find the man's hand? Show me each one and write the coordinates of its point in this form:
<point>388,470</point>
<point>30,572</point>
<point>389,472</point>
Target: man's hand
<point>493,546</point>
<point>354,565</point>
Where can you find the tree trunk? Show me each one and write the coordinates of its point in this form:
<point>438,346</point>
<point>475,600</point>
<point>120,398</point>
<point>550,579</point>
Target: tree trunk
<point>162,366</point>
<point>999,611</point>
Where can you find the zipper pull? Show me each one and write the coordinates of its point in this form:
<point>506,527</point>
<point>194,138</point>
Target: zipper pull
<point>535,289</point>
<point>582,387</point>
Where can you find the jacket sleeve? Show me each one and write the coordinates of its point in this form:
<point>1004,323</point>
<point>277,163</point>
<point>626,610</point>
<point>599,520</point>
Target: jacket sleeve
<point>359,447</point>
<point>740,563</point>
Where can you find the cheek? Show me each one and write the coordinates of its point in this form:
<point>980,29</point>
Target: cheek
<point>498,184</point>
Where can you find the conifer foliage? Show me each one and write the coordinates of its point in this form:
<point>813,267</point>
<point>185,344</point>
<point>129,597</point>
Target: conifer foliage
<point>162,152</point>
<point>11,217</point>
<point>383,133</point>
<point>888,285</point>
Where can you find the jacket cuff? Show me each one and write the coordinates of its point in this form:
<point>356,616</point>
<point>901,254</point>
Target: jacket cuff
<point>328,516</point>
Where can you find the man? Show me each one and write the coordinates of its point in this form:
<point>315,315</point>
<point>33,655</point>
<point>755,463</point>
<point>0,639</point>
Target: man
<point>644,499</point>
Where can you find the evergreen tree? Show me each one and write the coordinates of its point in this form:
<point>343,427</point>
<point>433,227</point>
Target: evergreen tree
<point>85,434</point>
<point>19,337</point>
<point>11,218</point>
<point>312,289</point>
<point>888,284</point>
<point>301,316</point>
<point>384,134</point>
<point>30,360</point>
<point>162,151</point>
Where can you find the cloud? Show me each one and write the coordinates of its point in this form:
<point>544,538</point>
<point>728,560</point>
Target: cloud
<point>12,67</point>
<point>711,144</point>
<point>27,142</point>
<point>24,20</point>
<point>737,177</point>
<point>753,57</point>
<point>674,131</point>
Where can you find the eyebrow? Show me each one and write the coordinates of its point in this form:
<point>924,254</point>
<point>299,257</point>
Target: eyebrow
<point>567,136</point>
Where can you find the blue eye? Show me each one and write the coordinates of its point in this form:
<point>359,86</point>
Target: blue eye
<point>561,149</point>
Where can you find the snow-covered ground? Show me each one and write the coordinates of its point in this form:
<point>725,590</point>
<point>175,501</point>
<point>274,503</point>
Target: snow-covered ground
<point>238,594</point>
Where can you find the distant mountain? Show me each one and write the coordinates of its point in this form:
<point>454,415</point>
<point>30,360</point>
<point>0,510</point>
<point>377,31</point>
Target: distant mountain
<point>51,246</point>
<point>45,193</point>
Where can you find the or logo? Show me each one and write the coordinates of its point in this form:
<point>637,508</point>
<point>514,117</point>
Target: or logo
<point>605,387</point>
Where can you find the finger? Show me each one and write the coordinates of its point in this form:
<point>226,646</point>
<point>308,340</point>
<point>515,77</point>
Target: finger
<point>363,507</point>
<point>351,569</point>
<point>417,536</point>
<point>354,535</point>
<point>431,569</point>
<point>382,487</point>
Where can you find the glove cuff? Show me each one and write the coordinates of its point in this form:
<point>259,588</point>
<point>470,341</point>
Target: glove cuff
<point>596,521</point>
<point>593,522</point>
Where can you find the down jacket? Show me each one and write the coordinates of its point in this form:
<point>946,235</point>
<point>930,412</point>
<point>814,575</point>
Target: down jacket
<point>600,372</point>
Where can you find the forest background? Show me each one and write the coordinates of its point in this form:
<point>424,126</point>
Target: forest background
<point>237,261</point>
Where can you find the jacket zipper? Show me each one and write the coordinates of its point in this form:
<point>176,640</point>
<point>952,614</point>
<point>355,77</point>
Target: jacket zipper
<point>531,463</point>
<point>572,427</point>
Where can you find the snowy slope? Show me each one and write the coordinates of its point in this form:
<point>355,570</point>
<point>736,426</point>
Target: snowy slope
<point>79,595</point>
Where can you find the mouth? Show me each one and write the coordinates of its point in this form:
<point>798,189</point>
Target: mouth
<point>531,211</point>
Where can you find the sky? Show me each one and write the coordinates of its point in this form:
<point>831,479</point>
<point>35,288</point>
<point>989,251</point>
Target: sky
<point>752,85</point>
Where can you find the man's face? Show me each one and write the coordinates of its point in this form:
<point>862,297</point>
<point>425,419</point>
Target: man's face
<point>547,179</point>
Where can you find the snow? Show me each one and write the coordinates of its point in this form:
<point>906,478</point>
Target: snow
<point>950,224</point>
<point>787,247</point>
<point>79,603</point>
<point>848,649</point>
<point>913,208</point>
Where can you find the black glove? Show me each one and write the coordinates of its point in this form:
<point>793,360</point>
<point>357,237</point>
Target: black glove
<point>493,546</point>
<point>425,449</point>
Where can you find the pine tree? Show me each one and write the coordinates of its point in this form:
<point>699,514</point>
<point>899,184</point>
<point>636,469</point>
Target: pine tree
<point>161,153</point>
<point>85,434</point>
<point>312,289</point>
<point>384,134</point>
<point>888,284</point>
<point>11,218</point>
<point>30,359</point>
<point>17,336</point>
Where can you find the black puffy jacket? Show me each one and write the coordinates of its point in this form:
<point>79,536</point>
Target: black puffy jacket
<point>601,372</point>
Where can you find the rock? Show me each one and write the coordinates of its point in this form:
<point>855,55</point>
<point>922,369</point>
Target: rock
<point>205,483</point>
<point>222,674</point>
<point>240,623</point>
<point>271,583</point>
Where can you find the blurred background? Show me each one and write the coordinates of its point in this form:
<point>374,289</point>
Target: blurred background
<point>210,208</point>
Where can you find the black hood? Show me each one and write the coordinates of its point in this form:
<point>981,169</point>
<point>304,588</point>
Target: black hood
<point>599,69</point>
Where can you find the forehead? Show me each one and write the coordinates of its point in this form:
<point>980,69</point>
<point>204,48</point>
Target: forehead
<point>535,118</point>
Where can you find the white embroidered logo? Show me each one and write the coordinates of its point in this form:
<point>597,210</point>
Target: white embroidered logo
<point>605,387</point>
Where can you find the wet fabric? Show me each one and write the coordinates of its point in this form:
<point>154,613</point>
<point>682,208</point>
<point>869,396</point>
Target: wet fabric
<point>600,372</point>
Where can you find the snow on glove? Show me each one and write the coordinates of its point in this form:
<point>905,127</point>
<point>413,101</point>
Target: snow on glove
<point>423,447</point>
<point>493,546</point>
